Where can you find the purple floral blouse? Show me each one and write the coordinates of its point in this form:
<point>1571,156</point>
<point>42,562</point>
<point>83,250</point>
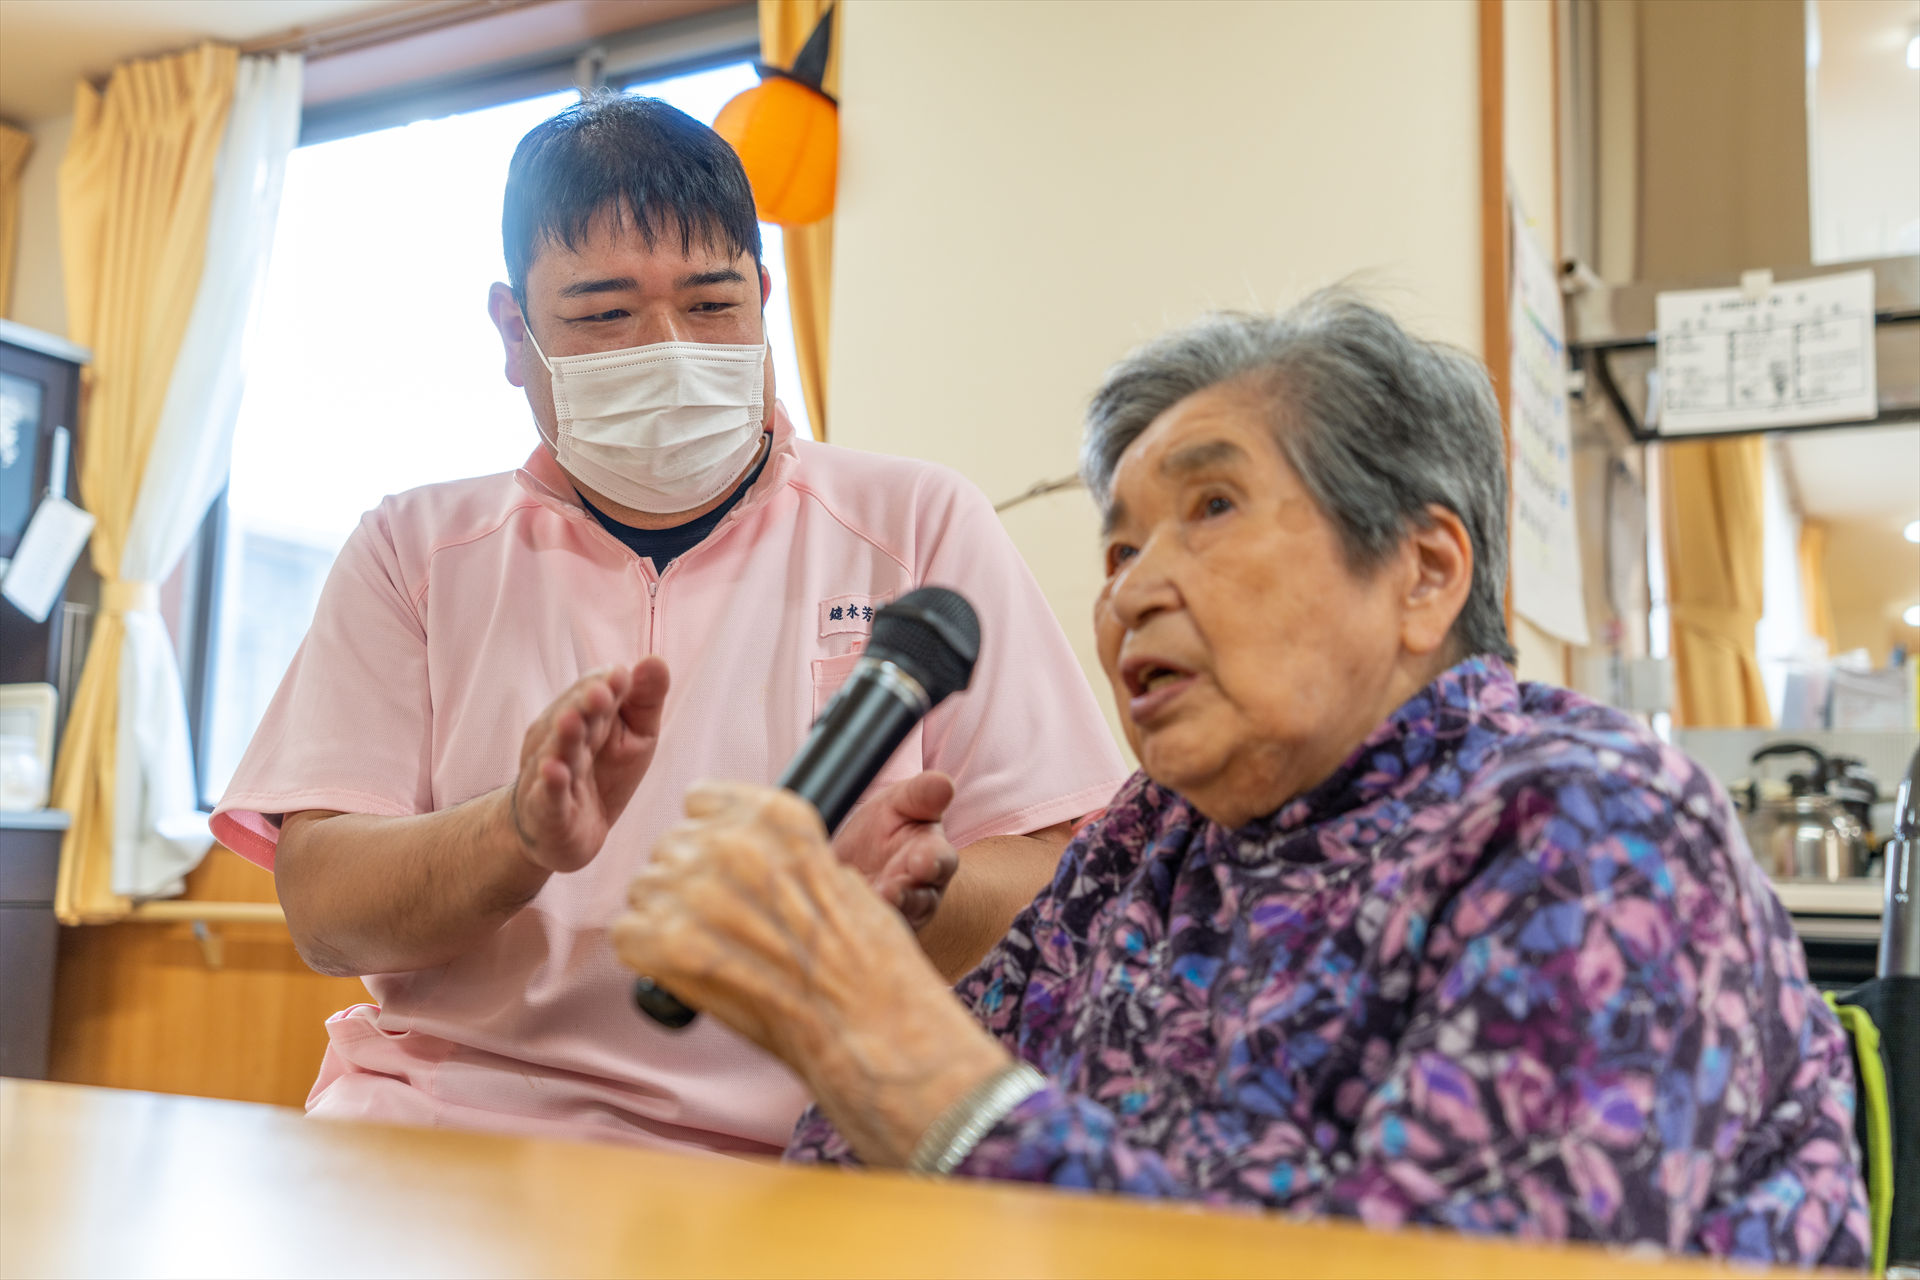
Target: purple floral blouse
<point>1510,969</point>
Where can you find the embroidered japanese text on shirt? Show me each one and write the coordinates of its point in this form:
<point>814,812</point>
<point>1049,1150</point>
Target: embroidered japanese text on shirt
<point>849,614</point>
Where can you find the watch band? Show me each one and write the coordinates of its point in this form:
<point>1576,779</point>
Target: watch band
<point>953,1136</point>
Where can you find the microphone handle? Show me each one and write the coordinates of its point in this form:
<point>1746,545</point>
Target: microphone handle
<point>848,746</point>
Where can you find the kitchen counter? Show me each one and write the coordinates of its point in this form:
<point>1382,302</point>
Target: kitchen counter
<point>1839,925</point>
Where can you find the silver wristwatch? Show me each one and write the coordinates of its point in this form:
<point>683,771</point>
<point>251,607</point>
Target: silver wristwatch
<point>952,1137</point>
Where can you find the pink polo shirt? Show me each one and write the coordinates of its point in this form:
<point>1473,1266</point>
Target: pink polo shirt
<point>457,612</point>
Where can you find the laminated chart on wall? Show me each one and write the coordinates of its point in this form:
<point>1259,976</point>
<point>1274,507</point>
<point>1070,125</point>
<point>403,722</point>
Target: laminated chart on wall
<point>1546,537</point>
<point>1767,355</point>
<point>48,550</point>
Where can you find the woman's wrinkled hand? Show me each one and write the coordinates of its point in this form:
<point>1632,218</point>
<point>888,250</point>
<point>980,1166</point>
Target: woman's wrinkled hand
<point>894,839</point>
<point>746,913</point>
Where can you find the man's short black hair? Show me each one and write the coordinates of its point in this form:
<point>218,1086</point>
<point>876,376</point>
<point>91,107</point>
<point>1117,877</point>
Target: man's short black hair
<point>635,158</point>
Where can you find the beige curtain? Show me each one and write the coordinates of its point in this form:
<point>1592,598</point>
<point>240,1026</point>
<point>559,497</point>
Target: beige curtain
<point>14,146</point>
<point>784,27</point>
<point>136,188</point>
<point>1813,581</point>
<point>1714,579</point>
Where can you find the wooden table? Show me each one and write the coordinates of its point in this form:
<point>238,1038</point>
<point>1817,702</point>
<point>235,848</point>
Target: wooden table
<point>98,1182</point>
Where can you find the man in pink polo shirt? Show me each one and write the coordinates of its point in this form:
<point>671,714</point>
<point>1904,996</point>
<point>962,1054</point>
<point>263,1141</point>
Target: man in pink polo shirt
<point>476,745</point>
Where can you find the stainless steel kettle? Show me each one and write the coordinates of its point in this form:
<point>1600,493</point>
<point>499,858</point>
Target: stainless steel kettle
<point>1796,828</point>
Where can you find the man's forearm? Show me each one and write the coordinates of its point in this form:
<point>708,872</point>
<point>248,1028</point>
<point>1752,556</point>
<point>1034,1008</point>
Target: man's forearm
<point>998,877</point>
<point>367,894</point>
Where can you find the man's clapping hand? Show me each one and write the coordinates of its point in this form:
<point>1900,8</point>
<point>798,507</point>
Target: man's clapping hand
<point>581,760</point>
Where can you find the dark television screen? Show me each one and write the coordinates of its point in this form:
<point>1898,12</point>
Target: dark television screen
<point>22,408</point>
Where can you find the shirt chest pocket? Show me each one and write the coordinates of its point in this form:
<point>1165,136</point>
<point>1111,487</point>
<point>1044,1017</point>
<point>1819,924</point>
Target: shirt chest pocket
<point>829,674</point>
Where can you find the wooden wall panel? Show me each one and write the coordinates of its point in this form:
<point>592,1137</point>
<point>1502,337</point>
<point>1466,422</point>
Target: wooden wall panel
<point>136,1006</point>
<point>1723,137</point>
<point>1491,22</point>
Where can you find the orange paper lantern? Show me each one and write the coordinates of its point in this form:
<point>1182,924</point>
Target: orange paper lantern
<point>788,138</point>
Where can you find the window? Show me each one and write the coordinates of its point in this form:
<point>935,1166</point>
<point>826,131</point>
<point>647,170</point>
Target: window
<point>374,369</point>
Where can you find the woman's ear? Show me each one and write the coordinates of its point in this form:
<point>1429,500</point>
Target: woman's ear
<point>1442,554</point>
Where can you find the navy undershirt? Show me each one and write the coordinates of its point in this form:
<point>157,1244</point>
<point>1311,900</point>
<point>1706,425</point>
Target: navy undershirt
<point>664,546</point>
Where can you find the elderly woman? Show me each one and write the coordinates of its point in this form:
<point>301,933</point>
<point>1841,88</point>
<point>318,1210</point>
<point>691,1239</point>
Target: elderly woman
<point>1377,930</point>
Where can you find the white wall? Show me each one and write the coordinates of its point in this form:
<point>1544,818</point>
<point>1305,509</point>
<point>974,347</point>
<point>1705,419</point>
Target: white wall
<point>1531,146</point>
<point>1027,191</point>
<point>1864,144</point>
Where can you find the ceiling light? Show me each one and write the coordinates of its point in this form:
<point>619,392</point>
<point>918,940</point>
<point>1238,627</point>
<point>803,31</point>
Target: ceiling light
<point>1913,53</point>
<point>1912,531</point>
<point>1912,616</point>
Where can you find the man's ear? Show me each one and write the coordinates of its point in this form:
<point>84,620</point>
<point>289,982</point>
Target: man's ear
<point>766,285</point>
<point>507,318</point>
<point>1439,579</point>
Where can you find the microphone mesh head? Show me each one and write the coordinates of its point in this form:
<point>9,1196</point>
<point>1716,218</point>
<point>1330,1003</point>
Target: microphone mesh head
<point>931,634</point>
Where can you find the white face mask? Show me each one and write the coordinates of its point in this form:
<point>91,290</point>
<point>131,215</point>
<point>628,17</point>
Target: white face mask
<point>660,428</point>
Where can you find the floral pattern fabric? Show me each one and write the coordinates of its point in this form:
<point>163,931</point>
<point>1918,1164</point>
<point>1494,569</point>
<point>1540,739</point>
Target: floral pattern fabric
<point>1510,969</point>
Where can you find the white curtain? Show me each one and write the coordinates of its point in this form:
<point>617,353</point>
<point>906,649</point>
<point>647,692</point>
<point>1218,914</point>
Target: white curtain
<point>159,832</point>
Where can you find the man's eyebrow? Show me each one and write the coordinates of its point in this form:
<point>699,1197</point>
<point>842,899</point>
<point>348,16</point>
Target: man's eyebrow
<point>700,279</point>
<point>613,284</point>
<point>1202,457</point>
<point>1112,517</point>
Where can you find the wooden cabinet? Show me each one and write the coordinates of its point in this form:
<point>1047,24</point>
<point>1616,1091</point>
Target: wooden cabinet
<point>141,1005</point>
<point>29,938</point>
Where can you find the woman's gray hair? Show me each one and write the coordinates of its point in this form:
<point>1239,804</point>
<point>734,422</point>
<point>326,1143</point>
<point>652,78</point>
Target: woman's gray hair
<point>1378,424</point>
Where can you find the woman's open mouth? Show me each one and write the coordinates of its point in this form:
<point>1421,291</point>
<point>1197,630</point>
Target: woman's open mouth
<point>1152,683</point>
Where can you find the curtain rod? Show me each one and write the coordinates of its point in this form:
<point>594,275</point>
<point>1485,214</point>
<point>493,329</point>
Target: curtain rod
<point>358,32</point>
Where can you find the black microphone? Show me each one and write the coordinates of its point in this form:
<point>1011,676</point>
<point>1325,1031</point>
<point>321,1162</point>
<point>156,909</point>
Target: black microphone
<point>922,650</point>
